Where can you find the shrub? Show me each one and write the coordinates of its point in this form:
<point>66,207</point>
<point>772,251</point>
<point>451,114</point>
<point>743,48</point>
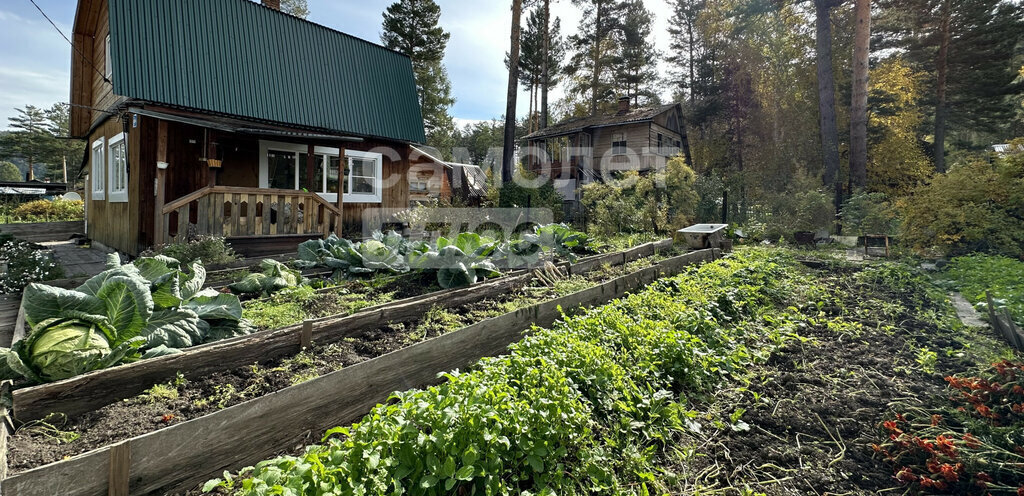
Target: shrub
<point>210,249</point>
<point>57,210</point>
<point>513,195</point>
<point>869,213</point>
<point>781,215</point>
<point>10,172</point>
<point>659,202</point>
<point>976,206</point>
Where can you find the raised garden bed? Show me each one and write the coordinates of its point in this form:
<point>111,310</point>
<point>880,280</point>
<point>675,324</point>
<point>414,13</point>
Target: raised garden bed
<point>183,454</point>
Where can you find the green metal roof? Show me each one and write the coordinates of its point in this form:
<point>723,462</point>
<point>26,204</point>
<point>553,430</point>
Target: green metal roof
<point>239,58</point>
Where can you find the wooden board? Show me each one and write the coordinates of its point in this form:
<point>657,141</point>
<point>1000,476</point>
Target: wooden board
<point>44,231</point>
<point>182,456</point>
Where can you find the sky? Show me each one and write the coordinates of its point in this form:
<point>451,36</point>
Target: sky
<point>35,61</point>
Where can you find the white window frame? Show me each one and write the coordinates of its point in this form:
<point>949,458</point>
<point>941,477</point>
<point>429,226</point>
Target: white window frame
<point>625,140</point>
<point>297,149</point>
<point>108,65</point>
<point>376,196</point>
<point>117,172</point>
<point>98,174</point>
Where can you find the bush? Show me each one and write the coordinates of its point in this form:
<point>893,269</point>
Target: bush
<point>779,216</point>
<point>512,195</point>
<point>660,202</point>
<point>58,210</point>
<point>976,206</point>
<point>210,249</point>
<point>10,172</point>
<point>869,213</point>
<point>25,265</point>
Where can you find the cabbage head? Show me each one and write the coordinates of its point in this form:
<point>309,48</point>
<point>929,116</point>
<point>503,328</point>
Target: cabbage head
<point>59,349</point>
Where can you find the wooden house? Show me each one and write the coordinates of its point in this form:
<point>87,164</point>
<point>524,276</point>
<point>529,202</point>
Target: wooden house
<point>594,148</point>
<point>437,180</point>
<point>232,118</point>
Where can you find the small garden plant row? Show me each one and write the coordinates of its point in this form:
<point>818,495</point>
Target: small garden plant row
<point>180,456</point>
<point>87,392</point>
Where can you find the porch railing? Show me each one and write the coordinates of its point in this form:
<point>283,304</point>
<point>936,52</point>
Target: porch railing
<point>233,212</point>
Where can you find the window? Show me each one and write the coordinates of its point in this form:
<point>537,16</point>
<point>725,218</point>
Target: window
<point>108,65</point>
<point>661,139</point>
<point>619,144</point>
<point>283,166</point>
<point>117,163</point>
<point>98,174</point>
<point>417,186</point>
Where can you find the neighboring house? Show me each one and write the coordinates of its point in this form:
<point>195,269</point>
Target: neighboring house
<point>1006,148</point>
<point>231,118</point>
<point>30,190</point>
<point>435,179</point>
<point>593,148</point>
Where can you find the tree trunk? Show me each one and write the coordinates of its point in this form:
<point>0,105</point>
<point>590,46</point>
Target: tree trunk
<point>827,93</point>
<point>942,67</point>
<point>508,153</point>
<point>545,68</point>
<point>859,105</point>
<point>598,38</point>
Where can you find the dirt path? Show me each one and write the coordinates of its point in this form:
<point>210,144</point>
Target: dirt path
<point>968,315</point>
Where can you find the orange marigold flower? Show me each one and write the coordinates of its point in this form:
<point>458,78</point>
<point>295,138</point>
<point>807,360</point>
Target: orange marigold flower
<point>1017,389</point>
<point>936,419</point>
<point>982,476</point>
<point>971,441</point>
<point>951,472</point>
<point>946,445</point>
<point>900,417</point>
<point>1020,491</point>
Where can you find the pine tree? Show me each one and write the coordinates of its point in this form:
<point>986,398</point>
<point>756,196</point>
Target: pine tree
<point>635,63</point>
<point>411,27</point>
<point>968,48</point>
<point>594,50</point>
<point>859,103</point>
<point>29,138</point>
<point>508,151</point>
<point>531,61</point>
<point>826,94</point>
<point>687,47</point>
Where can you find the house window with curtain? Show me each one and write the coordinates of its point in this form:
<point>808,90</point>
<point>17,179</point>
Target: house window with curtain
<point>284,166</point>
<point>619,144</point>
<point>117,171</point>
<point>98,173</point>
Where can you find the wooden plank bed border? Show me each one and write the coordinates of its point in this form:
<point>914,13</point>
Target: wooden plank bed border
<point>94,390</point>
<point>180,457</point>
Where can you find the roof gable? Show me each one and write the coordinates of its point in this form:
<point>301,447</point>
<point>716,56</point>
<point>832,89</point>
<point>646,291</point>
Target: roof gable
<point>239,58</point>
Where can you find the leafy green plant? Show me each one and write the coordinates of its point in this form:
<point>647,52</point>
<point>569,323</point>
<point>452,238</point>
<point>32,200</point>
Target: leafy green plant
<point>382,253</point>
<point>275,277</point>
<point>869,213</point>
<point>210,249</point>
<point>125,313</point>
<point>58,210</point>
<point>459,262</point>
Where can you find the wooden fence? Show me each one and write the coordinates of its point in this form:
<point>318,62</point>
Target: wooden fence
<point>182,456</point>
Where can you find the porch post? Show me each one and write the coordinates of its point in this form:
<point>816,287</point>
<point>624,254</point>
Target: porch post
<point>211,154</point>
<point>342,163</point>
<point>161,181</point>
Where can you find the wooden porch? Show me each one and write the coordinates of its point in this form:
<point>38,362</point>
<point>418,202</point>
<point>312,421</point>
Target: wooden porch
<point>240,212</point>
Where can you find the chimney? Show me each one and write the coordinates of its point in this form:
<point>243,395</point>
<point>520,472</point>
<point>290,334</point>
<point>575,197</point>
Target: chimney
<point>623,105</point>
<point>274,4</point>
